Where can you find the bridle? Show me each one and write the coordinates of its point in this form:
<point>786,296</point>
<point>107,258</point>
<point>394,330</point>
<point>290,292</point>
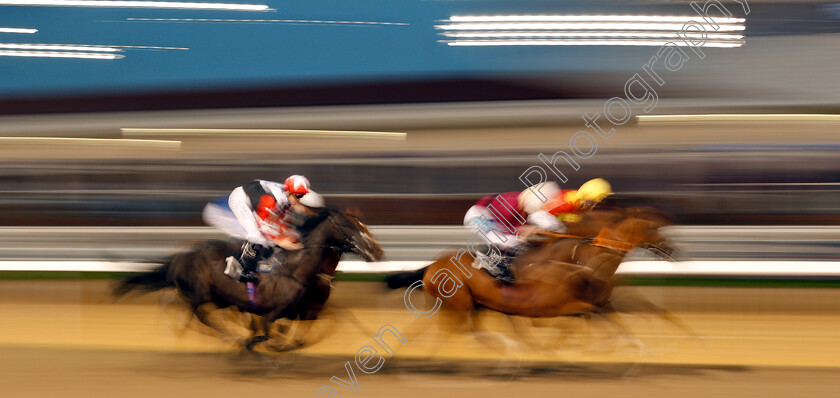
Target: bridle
<point>623,246</point>
<point>351,245</point>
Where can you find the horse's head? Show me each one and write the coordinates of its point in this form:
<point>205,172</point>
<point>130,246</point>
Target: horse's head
<point>641,228</point>
<point>350,234</point>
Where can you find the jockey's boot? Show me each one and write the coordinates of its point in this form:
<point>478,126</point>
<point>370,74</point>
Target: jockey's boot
<point>505,273</point>
<point>249,261</point>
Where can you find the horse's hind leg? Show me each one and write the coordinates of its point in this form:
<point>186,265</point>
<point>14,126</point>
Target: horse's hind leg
<point>522,329</point>
<point>484,336</point>
<point>204,313</point>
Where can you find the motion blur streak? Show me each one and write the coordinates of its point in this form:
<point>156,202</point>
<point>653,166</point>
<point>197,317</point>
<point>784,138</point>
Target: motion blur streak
<point>136,4</point>
<point>590,18</point>
<point>592,35</point>
<point>733,117</point>
<point>18,30</point>
<point>261,21</point>
<point>57,54</point>
<point>102,142</point>
<point>577,26</point>
<point>264,132</point>
<point>586,43</point>
<point>66,47</point>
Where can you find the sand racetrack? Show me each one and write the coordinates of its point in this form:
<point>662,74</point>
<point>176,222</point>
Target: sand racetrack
<point>68,339</point>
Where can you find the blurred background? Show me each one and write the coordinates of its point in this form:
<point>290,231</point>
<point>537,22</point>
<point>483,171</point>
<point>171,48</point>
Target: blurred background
<point>119,122</point>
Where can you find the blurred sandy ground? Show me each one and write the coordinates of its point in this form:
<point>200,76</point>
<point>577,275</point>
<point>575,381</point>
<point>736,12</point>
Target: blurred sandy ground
<point>744,327</point>
<point>66,338</point>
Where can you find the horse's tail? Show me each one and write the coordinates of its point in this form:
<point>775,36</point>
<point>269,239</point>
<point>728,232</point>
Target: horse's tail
<point>150,281</point>
<point>403,279</point>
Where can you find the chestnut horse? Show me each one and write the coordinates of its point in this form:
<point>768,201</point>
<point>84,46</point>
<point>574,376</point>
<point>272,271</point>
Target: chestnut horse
<point>565,276</point>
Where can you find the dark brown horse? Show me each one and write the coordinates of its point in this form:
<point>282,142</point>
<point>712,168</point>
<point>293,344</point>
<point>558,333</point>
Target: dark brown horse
<point>293,290</point>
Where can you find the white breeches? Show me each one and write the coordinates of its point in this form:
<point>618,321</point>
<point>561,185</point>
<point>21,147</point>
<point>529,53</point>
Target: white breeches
<point>222,218</point>
<point>481,219</point>
<point>238,221</point>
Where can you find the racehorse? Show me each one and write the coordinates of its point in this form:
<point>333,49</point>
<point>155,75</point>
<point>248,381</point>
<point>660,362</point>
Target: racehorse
<point>550,283</point>
<point>294,289</point>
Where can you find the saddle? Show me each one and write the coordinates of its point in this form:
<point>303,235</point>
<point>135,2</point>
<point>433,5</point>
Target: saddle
<point>497,266</point>
<point>270,261</point>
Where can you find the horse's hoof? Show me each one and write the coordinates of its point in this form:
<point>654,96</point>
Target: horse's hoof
<point>250,343</point>
<point>283,347</point>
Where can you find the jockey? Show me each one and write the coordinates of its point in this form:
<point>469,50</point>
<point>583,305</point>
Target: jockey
<point>549,212</point>
<point>260,210</point>
<point>499,217</point>
<point>570,204</point>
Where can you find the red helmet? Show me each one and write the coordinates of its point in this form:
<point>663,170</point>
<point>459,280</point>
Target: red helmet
<point>297,184</point>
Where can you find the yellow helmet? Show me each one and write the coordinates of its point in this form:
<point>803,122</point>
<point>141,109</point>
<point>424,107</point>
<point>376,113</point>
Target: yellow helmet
<point>594,190</point>
<point>530,202</point>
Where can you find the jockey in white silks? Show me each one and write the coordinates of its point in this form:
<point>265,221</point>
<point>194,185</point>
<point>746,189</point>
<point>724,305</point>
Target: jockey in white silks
<point>258,212</point>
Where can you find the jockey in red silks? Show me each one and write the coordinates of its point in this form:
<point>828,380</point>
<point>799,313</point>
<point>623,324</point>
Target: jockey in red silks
<point>499,217</point>
<point>257,212</point>
<point>544,206</point>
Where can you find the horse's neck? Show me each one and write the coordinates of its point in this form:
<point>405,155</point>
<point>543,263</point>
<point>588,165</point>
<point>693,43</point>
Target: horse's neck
<point>330,263</point>
<point>604,263</point>
<point>624,235</point>
<point>310,259</point>
<point>611,246</point>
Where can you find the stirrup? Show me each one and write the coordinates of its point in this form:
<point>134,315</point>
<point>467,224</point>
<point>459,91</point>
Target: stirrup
<point>234,268</point>
<point>486,262</point>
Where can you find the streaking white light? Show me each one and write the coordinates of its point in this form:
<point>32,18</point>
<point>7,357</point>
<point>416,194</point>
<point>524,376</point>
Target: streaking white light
<point>18,30</point>
<point>792,117</point>
<point>152,47</point>
<point>110,142</point>
<point>137,4</point>
<point>57,54</point>
<point>60,47</point>
<point>585,43</point>
<point>577,26</point>
<point>260,21</point>
<point>659,268</point>
<point>593,35</point>
<point>581,18</point>
<point>263,132</point>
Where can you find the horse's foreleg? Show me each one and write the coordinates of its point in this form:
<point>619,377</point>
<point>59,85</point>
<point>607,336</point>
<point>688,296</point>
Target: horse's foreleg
<point>298,335</point>
<point>674,320</point>
<point>613,320</point>
<point>294,336</point>
<point>257,324</point>
<point>258,327</point>
<point>630,301</point>
<point>329,317</point>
